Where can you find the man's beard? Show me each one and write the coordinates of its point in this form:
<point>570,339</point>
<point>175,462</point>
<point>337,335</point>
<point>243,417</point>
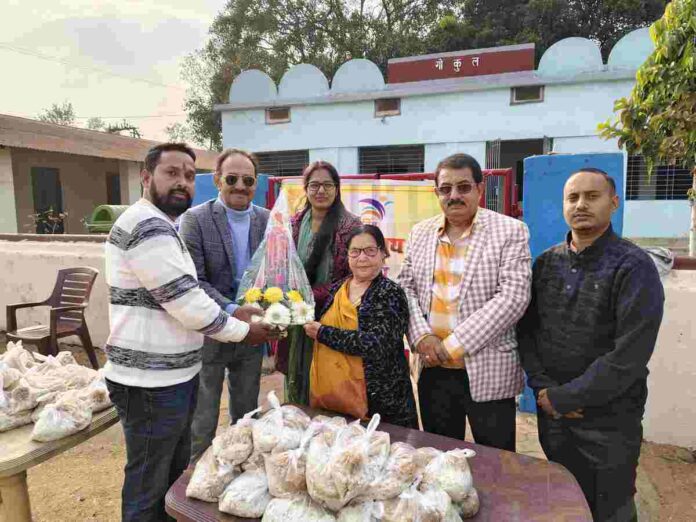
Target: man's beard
<point>168,203</point>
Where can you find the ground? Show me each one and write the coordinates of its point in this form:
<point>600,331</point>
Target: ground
<point>84,483</point>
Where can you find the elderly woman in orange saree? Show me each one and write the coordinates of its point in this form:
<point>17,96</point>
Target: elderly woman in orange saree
<point>358,363</point>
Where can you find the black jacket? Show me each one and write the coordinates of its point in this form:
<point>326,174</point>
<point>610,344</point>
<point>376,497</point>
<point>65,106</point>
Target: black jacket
<point>379,340</point>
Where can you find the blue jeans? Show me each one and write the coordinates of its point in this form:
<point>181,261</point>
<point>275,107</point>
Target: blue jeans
<point>157,427</point>
<point>243,365</point>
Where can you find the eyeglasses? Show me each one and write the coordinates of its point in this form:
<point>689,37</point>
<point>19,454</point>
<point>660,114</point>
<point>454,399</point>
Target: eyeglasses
<point>462,188</point>
<point>314,187</point>
<point>248,181</point>
<point>369,252</point>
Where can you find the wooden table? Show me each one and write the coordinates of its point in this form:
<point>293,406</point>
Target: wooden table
<point>511,487</point>
<point>19,453</point>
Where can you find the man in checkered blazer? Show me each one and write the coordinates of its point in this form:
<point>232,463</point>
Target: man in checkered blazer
<point>467,276</point>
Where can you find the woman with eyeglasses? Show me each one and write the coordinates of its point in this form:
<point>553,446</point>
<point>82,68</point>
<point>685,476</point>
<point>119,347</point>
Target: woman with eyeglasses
<point>320,231</point>
<point>358,365</point>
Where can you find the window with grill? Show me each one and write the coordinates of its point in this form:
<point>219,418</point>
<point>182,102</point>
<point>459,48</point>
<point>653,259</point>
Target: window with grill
<point>387,107</point>
<point>277,115</point>
<point>398,159</point>
<point>667,182</point>
<point>283,163</point>
<point>529,94</point>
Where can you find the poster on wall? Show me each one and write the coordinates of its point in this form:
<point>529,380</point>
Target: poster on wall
<point>394,206</point>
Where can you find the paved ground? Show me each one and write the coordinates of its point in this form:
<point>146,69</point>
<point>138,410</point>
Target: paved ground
<point>84,483</point>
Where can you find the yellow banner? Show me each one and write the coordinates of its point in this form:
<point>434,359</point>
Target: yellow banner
<point>394,206</point>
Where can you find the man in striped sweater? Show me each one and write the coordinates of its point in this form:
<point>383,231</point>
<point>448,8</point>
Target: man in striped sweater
<point>158,317</point>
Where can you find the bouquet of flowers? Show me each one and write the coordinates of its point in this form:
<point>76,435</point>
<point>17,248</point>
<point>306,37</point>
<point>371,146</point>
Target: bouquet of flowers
<point>275,281</point>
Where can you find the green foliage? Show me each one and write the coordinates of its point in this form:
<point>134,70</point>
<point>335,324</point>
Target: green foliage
<point>658,119</point>
<point>48,222</point>
<point>96,123</point>
<point>123,126</point>
<point>178,132</point>
<point>490,23</point>
<point>59,114</point>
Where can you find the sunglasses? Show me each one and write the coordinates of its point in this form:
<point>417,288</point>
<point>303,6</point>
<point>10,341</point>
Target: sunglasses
<point>369,252</point>
<point>248,181</point>
<point>462,188</point>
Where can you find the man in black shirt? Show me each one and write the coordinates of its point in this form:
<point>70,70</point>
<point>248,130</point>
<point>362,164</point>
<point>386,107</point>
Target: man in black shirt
<point>585,343</point>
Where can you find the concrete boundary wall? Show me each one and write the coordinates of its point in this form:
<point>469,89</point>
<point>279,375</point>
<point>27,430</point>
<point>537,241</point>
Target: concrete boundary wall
<point>28,273</point>
<point>670,414</point>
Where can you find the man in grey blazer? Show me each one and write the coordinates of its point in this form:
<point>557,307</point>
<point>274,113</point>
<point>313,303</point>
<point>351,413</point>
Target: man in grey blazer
<point>222,235</point>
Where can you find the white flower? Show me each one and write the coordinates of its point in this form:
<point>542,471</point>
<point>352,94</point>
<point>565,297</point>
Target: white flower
<point>302,313</point>
<point>278,315</point>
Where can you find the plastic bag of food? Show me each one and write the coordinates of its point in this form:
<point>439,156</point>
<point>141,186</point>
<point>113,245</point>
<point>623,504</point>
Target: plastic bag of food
<point>398,474</point>
<point>4,401</point>
<point>65,358</point>
<point>300,508</point>
<point>319,475</point>
<point>338,473</point>
<point>246,496</point>
<point>97,393</point>
<point>17,357</point>
<point>423,456</point>
<point>450,472</point>
<point>329,426</point>
<point>434,505</point>
<point>19,399</point>
<point>413,505</point>
<point>368,511</point>
<point>10,421</point>
<point>378,454</point>
<point>210,478</point>
<point>9,379</point>
<point>42,402</point>
<point>281,426</point>
<point>9,376</point>
<point>286,469</point>
<point>468,507</point>
<point>96,396</point>
<point>51,376</point>
<point>235,444</point>
<point>453,514</point>
<point>254,462</point>
<point>62,418</point>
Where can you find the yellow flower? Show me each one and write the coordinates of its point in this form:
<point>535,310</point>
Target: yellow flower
<point>273,294</point>
<point>252,295</point>
<point>294,296</point>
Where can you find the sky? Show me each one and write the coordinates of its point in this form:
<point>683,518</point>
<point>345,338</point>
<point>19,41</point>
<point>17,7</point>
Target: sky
<point>112,59</point>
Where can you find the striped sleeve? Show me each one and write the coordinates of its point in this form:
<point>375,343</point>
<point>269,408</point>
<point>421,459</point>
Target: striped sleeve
<point>158,258</point>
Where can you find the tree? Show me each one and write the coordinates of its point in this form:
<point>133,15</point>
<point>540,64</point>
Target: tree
<point>118,128</point>
<point>489,23</point>
<point>178,132</point>
<point>658,119</point>
<point>272,35</point>
<point>59,114</point>
<point>96,123</point>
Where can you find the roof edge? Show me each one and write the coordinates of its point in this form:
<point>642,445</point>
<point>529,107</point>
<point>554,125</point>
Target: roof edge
<point>443,86</point>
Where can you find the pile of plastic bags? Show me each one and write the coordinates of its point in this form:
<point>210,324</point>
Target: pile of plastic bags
<point>55,393</point>
<point>285,467</point>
